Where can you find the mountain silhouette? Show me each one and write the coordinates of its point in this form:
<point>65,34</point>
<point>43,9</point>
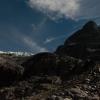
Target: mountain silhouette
<point>84,44</point>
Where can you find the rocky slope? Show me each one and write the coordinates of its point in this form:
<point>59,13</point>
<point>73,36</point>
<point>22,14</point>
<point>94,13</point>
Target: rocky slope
<point>84,44</point>
<point>71,73</point>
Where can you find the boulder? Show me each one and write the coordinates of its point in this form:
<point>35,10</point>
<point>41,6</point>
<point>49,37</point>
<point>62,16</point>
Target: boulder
<point>9,71</point>
<point>42,63</point>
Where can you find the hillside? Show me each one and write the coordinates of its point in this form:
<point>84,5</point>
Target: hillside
<point>72,72</point>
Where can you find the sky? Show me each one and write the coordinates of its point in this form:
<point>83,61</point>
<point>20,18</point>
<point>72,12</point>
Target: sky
<point>42,25</point>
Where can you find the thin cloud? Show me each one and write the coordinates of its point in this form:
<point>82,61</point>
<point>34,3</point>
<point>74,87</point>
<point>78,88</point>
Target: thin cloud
<point>33,45</point>
<point>29,43</point>
<point>37,27</point>
<point>74,9</point>
<point>52,39</point>
<point>49,40</point>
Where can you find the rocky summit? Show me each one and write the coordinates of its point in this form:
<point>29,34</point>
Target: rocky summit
<point>84,44</point>
<point>72,72</point>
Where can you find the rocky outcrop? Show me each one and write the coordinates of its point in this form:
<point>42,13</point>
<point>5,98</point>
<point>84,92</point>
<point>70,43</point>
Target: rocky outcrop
<point>42,63</point>
<point>9,71</point>
<point>51,64</point>
<point>84,44</point>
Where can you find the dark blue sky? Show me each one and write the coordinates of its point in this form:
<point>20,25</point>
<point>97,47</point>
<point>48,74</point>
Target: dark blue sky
<point>28,29</point>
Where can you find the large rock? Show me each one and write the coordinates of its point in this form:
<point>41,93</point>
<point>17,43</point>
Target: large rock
<point>9,71</point>
<point>42,63</point>
<point>51,64</point>
<point>84,44</point>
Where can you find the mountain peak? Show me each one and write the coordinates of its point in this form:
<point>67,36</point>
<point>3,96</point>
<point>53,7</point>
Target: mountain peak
<point>84,44</point>
<point>91,25</point>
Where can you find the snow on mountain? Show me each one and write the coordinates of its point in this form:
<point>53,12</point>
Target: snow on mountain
<point>17,53</point>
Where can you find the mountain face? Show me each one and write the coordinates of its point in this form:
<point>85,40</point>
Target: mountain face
<point>84,44</point>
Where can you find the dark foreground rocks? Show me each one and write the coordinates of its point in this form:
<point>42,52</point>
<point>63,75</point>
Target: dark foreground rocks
<point>52,64</point>
<point>40,63</point>
<point>50,77</point>
<point>9,71</point>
